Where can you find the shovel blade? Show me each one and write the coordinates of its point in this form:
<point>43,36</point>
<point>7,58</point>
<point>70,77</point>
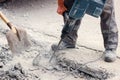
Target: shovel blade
<point>18,43</point>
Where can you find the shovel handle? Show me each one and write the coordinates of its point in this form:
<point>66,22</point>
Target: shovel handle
<point>7,22</point>
<point>4,18</point>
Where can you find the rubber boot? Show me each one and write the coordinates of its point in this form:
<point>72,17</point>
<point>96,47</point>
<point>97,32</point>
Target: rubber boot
<point>110,55</point>
<point>62,46</point>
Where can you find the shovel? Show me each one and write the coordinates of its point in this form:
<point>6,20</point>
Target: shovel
<point>16,37</point>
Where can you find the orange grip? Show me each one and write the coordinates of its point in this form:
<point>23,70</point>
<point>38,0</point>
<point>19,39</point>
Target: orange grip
<point>60,2</point>
<point>61,8</point>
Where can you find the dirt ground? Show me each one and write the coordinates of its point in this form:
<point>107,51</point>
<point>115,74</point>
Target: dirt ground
<point>43,25</point>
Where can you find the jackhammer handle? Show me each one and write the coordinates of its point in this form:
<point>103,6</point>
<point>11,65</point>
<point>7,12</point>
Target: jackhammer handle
<point>7,22</point>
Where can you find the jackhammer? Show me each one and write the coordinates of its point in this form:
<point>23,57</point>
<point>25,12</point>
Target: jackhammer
<point>79,9</point>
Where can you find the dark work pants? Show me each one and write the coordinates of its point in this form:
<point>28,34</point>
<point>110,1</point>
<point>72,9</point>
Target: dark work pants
<point>108,26</point>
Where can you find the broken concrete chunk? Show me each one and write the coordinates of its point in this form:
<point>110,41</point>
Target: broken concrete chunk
<point>18,67</point>
<point>14,73</point>
<point>1,64</point>
<point>81,60</point>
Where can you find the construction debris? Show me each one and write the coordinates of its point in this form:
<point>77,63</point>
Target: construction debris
<point>15,73</point>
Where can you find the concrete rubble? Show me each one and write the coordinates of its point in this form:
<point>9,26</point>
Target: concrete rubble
<point>43,26</point>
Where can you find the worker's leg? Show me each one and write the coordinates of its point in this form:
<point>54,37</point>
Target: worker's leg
<point>109,31</point>
<point>70,40</point>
